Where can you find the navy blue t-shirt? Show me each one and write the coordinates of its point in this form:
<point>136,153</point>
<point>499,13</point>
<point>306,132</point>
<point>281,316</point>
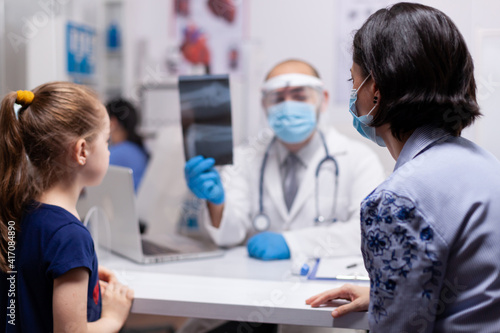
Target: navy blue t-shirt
<point>52,241</point>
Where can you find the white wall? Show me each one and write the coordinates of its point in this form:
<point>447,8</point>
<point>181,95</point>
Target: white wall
<point>276,30</point>
<point>145,42</point>
<point>305,29</point>
<point>35,45</point>
<point>281,29</point>
<point>471,18</point>
<point>474,18</point>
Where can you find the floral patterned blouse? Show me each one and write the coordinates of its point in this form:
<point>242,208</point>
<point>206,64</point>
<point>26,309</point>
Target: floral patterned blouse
<point>431,239</point>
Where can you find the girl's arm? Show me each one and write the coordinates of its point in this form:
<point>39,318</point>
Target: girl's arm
<point>70,304</point>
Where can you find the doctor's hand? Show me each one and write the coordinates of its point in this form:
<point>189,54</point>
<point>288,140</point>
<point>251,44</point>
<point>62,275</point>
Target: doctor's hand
<point>358,295</point>
<point>268,246</point>
<point>203,180</point>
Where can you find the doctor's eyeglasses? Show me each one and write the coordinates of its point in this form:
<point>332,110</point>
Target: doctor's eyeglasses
<point>299,94</point>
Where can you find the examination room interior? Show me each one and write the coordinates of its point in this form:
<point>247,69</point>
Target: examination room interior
<point>134,50</point>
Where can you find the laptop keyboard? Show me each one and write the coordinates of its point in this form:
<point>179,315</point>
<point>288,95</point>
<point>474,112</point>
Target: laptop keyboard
<point>150,248</point>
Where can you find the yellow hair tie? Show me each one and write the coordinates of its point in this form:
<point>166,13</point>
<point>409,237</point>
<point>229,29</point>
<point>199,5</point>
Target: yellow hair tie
<point>24,97</point>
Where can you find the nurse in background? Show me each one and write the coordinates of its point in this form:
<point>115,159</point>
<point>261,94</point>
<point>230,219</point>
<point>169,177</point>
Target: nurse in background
<point>430,232</point>
<point>126,146</point>
<point>285,188</point>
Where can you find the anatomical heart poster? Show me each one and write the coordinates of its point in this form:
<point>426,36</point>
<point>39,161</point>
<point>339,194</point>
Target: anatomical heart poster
<point>209,34</point>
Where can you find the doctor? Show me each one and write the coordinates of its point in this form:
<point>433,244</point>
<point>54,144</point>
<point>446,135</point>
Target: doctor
<point>297,192</point>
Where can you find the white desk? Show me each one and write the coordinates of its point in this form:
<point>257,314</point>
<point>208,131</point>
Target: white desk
<point>232,287</point>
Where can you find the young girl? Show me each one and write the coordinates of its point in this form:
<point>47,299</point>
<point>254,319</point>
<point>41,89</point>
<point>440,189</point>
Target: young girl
<point>49,271</point>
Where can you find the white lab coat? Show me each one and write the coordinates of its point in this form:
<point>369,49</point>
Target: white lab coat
<point>360,171</point>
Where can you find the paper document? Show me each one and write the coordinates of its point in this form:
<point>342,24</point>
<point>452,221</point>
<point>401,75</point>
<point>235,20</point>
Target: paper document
<point>346,268</point>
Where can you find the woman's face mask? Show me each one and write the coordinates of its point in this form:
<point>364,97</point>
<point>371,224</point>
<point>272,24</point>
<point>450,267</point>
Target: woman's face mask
<point>361,123</point>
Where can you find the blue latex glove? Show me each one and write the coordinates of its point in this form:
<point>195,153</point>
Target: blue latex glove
<point>203,180</point>
<point>268,246</point>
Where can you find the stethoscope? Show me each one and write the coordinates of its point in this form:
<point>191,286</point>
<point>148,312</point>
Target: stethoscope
<point>261,221</point>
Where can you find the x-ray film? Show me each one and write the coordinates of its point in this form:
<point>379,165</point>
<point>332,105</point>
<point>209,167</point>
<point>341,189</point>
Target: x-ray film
<point>206,117</point>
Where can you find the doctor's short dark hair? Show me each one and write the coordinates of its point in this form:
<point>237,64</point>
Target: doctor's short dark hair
<point>421,66</point>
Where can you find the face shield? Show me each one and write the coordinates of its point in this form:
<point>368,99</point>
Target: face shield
<point>292,104</point>
<point>292,87</point>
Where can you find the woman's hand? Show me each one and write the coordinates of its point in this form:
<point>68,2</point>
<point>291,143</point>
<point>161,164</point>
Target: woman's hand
<point>359,297</point>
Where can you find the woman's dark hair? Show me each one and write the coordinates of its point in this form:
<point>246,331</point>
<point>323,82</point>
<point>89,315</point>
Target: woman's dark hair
<point>127,116</point>
<point>421,66</point>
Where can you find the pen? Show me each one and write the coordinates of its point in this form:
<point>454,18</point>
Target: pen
<point>352,265</point>
<point>302,267</point>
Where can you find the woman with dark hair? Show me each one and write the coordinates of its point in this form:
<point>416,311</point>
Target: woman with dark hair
<point>127,148</point>
<point>430,232</point>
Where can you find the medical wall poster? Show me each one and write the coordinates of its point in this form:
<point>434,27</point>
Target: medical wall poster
<point>209,34</point>
<point>80,47</point>
<point>206,117</point>
<point>351,14</point>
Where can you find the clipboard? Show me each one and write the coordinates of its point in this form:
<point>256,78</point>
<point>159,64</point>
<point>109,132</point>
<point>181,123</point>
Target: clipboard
<point>346,268</point>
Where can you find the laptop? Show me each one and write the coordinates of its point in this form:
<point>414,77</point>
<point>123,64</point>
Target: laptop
<point>112,206</point>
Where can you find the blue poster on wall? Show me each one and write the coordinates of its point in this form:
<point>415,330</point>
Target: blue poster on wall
<point>80,46</point>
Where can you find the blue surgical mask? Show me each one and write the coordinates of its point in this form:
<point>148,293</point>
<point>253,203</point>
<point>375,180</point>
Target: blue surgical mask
<point>292,121</point>
<point>361,123</point>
